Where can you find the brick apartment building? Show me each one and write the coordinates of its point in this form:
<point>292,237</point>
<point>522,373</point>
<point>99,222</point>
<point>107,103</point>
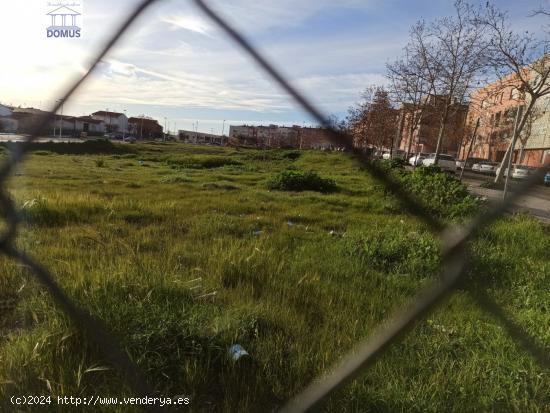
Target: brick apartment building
<point>496,105</point>
<point>424,138</point>
<point>274,136</point>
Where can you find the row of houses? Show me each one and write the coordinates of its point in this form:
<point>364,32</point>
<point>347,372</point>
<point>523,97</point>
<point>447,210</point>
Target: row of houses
<point>274,136</point>
<point>196,137</point>
<point>19,120</point>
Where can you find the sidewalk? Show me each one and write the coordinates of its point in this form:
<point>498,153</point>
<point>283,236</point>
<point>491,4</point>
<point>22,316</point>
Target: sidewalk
<point>534,205</point>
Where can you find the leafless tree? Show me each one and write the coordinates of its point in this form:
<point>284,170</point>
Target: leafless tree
<point>518,60</point>
<point>410,83</point>
<point>372,122</point>
<point>451,52</point>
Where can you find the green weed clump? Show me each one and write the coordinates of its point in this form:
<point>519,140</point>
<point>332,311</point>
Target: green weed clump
<point>395,163</point>
<point>46,213</point>
<point>273,155</point>
<point>395,249</point>
<point>40,212</point>
<point>176,179</point>
<point>301,181</point>
<point>207,162</point>
<point>442,194</point>
<point>498,185</point>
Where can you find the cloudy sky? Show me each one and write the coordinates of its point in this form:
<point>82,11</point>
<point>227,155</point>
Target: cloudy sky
<point>175,63</point>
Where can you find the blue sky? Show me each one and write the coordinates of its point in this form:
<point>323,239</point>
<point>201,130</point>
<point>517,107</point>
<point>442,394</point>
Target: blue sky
<point>175,63</point>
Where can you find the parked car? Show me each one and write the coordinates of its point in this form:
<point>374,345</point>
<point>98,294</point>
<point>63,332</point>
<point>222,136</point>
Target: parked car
<point>485,167</point>
<point>547,179</point>
<point>518,171</point>
<point>417,159</point>
<point>397,153</point>
<point>130,139</point>
<point>469,163</point>
<point>445,162</point>
<point>522,172</point>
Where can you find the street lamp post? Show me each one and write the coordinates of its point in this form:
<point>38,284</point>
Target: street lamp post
<point>223,126</point>
<point>60,121</point>
<point>124,127</point>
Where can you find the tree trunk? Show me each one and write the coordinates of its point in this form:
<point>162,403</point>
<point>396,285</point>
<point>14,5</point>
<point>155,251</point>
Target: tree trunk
<point>472,143</point>
<point>442,127</point>
<point>521,151</point>
<point>410,134</point>
<point>398,133</point>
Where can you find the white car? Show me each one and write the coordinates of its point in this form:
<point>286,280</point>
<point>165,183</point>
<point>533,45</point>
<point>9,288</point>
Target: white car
<point>521,172</point>
<point>485,167</point>
<point>518,171</point>
<point>397,154</point>
<point>445,162</point>
<point>417,159</point>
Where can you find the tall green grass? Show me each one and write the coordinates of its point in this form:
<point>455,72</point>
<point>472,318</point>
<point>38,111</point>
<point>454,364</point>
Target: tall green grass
<point>179,268</point>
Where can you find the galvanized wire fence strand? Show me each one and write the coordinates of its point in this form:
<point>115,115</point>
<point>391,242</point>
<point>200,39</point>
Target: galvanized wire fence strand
<point>454,259</point>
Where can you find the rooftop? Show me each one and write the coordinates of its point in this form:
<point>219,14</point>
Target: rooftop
<point>106,113</point>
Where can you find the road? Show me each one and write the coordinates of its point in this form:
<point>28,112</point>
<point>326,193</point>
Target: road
<point>6,137</point>
<point>537,203</point>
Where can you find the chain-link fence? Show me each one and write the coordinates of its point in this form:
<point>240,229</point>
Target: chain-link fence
<point>454,266</point>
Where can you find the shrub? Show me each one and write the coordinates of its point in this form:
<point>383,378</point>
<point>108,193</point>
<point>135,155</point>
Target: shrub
<point>301,181</point>
<point>100,163</point>
<point>491,185</point>
<point>395,163</point>
<point>442,194</point>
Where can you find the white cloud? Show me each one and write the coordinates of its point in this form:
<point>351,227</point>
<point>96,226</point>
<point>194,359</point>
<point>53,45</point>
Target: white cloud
<point>262,15</point>
<point>191,23</point>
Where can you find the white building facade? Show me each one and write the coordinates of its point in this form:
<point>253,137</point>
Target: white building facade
<point>114,121</point>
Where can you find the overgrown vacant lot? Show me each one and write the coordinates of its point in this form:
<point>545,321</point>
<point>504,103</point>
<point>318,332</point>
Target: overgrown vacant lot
<point>183,251</point>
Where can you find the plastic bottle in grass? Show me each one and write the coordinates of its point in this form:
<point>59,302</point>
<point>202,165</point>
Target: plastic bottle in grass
<point>243,364</point>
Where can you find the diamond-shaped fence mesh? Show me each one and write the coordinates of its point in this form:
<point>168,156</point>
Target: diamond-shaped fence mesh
<point>454,241</point>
